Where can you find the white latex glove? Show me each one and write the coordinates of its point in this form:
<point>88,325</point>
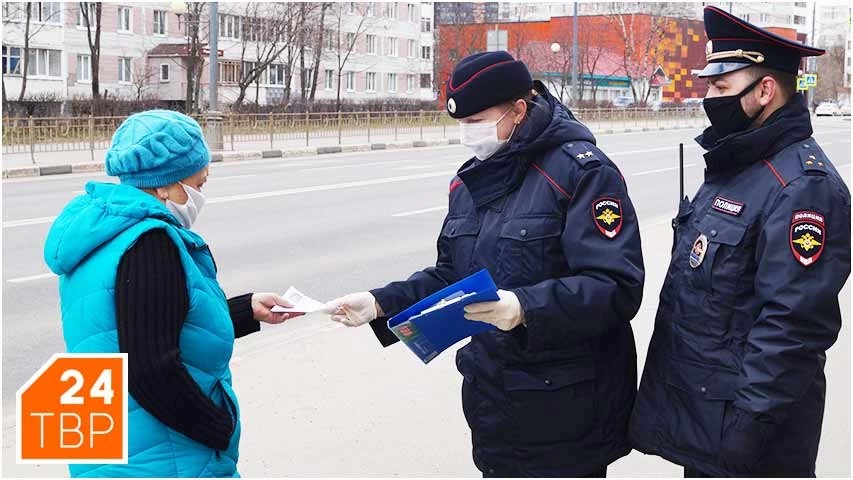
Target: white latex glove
<point>505,314</point>
<point>355,309</point>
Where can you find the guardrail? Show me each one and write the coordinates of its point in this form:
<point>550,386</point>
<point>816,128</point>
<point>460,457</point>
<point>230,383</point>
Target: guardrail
<point>59,134</point>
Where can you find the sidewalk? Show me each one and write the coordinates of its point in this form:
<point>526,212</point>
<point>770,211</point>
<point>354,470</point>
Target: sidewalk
<point>258,146</point>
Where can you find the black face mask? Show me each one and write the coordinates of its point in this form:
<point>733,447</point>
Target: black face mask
<point>726,113</point>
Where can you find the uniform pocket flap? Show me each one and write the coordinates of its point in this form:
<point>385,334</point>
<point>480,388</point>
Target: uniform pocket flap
<point>547,379</point>
<point>461,226</point>
<point>526,229</point>
<point>719,230</point>
<point>713,383</point>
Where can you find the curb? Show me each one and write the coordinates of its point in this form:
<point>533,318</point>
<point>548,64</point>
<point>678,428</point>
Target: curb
<point>230,157</point>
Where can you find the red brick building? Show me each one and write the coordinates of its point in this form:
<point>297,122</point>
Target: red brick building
<point>657,60</point>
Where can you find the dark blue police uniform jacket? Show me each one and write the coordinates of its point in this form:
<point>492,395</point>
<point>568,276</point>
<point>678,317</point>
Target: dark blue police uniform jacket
<point>550,218</point>
<point>749,305</point>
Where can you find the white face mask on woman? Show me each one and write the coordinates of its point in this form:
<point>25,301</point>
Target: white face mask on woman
<point>482,138</point>
<point>188,212</point>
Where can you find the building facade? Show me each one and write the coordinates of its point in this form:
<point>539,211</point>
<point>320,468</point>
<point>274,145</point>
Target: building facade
<point>372,50</point>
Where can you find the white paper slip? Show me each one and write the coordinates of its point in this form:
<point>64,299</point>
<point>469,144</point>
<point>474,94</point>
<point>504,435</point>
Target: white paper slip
<point>301,303</point>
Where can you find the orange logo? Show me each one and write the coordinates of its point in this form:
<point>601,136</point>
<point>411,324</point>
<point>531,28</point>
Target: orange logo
<point>74,410</point>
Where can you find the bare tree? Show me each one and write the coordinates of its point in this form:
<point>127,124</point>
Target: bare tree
<point>26,53</point>
<point>88,10</point>
<point>345,41</point>
<point>142,75</point>
<point>642,41</point>
<point>35,18</point>
<point>194,22</point>
<point>318,51</point>
<point>270,29</point>
<point>830,82</point>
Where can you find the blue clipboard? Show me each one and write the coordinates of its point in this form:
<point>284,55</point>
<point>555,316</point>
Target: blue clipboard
<point>438,321</point>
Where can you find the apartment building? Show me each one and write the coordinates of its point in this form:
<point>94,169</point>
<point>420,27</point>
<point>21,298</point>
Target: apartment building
<point>145,52</point>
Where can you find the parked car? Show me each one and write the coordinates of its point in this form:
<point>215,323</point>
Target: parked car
<point>622,102</point>
<point>844,108</point>
<point>827,109</point>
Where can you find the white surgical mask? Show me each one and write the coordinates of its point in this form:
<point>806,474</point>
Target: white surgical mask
<point>482,138</point>
<point>188,212</point>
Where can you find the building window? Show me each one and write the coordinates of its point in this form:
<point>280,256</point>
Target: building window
<point>307,77</point>
<point>164,73</point>
<point>496,40</point>
<point>371,81</point>
<point>44,63</point>
<point>412,16</point>
<point>391,10</point>
<point>799,20</point>
<point>229,26</point>
<point>392,47</point>
<point>412,49</point>
<point>392,82</point>
<point>159,22</point>
<point>44,12</point>
<point>124,70</point>
<point>12,11</point>
<point>426,81</point>
<point>426,25</point>
<point>765,17</point>
<point>229,72</point>
<point>371,44</point>
<point>124,19</point>
<point>801,4</point>
<point>426,52</point>
<point>81,19</point>
<point>11,60</point>
<point>276,74</point>
<point>350,42</point>
<point>330,79</point>
<point>350,81</point>
<point>84,68</point>
<point>351,8</point>
<point>410,83</point>
<point>331,39</point>
<point>371,9</point>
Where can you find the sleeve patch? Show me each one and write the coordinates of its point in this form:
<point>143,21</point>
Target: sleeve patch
<point>808,236</point>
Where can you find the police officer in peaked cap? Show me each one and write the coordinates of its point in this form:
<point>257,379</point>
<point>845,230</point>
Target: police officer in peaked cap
<point>734,379</point>
<point>548,392</point>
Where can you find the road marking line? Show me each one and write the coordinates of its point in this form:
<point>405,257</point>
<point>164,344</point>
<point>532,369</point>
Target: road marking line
<point>78,192</point>
<point>424,167</point>
<point>232,177</point>
<point>660,170</point>
<point>418,212</point>
<point>350,165</point>
<point>672,148</point>
<point>31,278</point>
<point>323,188</point>
<point>28,221</point>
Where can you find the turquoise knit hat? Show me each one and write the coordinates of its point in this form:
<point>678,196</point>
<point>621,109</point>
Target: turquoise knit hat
<point>156,148</point>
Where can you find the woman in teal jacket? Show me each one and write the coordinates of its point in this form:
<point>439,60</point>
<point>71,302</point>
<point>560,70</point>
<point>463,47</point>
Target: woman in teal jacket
<point>134,278</point>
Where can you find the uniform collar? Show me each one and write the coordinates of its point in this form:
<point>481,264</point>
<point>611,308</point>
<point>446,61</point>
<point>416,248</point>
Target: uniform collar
<point>786,126</point>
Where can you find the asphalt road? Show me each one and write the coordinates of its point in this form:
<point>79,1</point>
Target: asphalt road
<point>322,400</point>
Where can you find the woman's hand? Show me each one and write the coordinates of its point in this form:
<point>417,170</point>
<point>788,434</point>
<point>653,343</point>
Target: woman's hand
<point>262,304</point>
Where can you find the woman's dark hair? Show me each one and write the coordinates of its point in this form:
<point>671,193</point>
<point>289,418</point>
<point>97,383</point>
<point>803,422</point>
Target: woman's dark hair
<point>527,95</point>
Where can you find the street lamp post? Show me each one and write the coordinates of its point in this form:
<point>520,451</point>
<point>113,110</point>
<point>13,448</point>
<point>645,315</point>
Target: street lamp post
<point>575,98</point>
<point>213,118</point>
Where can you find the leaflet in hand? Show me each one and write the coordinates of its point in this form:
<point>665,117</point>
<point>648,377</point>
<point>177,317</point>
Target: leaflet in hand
<point>301,303</point>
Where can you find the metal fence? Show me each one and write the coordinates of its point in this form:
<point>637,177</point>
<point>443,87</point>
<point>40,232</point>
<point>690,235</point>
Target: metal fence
<point>60,134</point>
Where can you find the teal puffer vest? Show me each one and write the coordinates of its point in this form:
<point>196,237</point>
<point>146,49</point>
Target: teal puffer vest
<point>84,247</point>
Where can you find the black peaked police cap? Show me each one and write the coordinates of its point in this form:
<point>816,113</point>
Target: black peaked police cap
<point>734,44</point>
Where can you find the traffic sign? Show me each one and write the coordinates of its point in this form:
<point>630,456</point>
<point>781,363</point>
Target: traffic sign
<point>74,410</point>
<point>811,79</point>
<point>801,84</point>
